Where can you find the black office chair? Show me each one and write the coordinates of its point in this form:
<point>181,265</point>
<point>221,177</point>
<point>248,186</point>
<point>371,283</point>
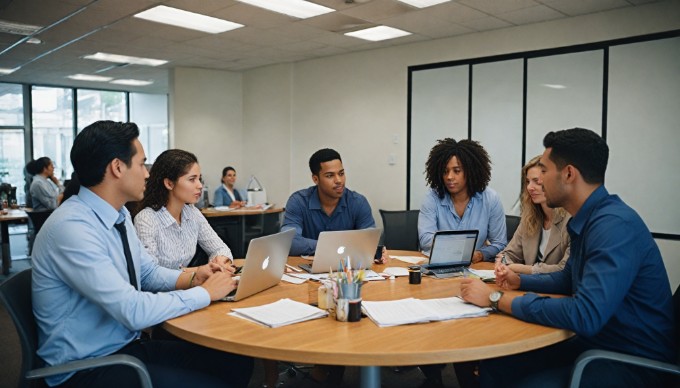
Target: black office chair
<point>592,355</point>
<point>36,219</point>
<point>400,229</point>
<point>511,224</point>
<point>15,295</point>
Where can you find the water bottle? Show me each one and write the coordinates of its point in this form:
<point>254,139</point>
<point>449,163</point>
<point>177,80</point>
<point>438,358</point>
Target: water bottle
<point>205,196</point>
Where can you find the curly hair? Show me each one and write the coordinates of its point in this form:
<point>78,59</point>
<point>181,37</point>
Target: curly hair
<point>532,213</point>
<point>473,158</point>
<point>171,164</point>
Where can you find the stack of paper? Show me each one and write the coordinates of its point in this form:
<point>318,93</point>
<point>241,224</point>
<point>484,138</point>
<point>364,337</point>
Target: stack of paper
<point>411,310</point>
<point>484,274</point>
<point>281,313</point>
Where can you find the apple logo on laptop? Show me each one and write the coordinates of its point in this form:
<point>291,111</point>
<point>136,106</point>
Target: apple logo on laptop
<point>341,250</point>
<point>265,263</point>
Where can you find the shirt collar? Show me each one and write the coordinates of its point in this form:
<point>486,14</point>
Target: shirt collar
<point>106,213</point>
<point>446,201</point>
<point>167,219</point>
<point>315,202</point>
<point>578,221</point>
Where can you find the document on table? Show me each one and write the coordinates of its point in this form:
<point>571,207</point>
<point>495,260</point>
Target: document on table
<point>484,274</point>
<point>280,313</point>
<point>411,310</point>
<point>224,208</point>
<point>411,259</point>
<point>292,279</point>
<point>396,271</point>
<point>369,275</point>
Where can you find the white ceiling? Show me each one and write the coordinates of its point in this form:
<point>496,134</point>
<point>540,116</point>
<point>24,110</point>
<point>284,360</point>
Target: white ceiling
<point>268,38</point>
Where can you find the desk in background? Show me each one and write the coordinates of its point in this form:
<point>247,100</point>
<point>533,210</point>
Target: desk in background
<point>237,227</point>
<point>14,215</point>
<point>364,344</point>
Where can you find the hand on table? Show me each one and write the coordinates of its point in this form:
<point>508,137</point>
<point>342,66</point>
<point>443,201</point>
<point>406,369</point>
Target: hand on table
<point>383,259</point>
<point>506,278</point>
<point>475,291</point>
<point>219,285</point>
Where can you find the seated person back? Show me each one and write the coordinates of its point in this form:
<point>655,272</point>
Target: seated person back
<point>326,206</point>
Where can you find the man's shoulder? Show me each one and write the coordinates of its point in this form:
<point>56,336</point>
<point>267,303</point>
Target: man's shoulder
<point>304,194</point>
<point>354,196</point>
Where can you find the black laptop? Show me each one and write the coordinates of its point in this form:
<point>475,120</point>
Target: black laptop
<point>452,251</point>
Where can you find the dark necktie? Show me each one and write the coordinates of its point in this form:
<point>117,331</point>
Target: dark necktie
<point>128,255</point>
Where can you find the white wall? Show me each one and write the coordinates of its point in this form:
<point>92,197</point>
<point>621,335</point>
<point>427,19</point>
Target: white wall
<point>356,103</point>
<point>206,118</point>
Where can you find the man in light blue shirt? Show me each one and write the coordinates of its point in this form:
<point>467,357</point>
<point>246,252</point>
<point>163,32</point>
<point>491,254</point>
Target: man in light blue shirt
<point>326,206</point>
<point>91,298</point>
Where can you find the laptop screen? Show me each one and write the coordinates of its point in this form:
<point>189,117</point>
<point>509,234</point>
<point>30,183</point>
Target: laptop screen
<point>453,247</point>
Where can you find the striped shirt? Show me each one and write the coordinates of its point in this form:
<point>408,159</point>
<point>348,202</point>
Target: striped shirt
<point>173,245</point>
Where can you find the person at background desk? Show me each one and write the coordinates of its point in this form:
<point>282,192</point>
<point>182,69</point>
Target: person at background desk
<point>95,287</point>
<point>226,194</point>
<point>541,242</point>
<point>618,293</point>
<point>458,174</point>
<point>169,225</point>
<point>46,190</point>
<point>326,206</point>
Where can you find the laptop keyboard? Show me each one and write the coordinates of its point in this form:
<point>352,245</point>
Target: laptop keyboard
<point>446,270</point>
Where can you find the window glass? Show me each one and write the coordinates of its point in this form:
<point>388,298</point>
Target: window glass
<point>95,105</point>
<point>12,160</point>
<point>53,127</point>
<point>150,113</point>
<point>11,105</point>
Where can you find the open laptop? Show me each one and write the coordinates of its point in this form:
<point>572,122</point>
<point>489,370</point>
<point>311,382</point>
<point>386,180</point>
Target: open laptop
<point>359,245</point>
<point>264,265</point>
<point>452,251</point>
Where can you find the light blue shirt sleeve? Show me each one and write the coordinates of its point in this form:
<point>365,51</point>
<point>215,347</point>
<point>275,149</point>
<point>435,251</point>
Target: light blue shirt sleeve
<point>427,221</point>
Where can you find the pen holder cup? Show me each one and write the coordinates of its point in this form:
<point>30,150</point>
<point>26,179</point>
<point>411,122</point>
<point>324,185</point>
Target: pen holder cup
<point>348,310</point>
<point>351,291</point>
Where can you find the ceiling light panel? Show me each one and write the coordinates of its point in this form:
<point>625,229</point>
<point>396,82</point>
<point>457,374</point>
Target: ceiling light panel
<point>186,19</point>
<point>115,58</point>
<point>378,33</point>
<point>297,8</point>
<point>18,28</point>
<point>5,70</point>
<point>131,82</point>
<point>89,77</point>
<point>424,3</point>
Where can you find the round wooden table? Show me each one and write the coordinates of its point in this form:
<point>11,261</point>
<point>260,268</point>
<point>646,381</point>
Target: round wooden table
<point>327,341</point>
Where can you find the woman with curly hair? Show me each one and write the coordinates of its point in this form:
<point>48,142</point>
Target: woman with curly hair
<point>169,225</point>
<point>458,173</point>
<point>541,242</point>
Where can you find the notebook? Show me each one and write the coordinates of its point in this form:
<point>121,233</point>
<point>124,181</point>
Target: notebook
<point>452,251</point>
<point>264,265</point>
<point>359,245</point>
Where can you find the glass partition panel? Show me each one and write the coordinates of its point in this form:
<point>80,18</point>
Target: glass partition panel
<point>95,105</point>
<point>150,113</point>
<point>11,105</point>
<point>12,160</point>
<point>53,127</point>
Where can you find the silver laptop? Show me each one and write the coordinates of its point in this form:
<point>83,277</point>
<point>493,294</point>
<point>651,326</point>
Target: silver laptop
<point>359,245</point>
<point>264,265</point>
<point>451,252</point>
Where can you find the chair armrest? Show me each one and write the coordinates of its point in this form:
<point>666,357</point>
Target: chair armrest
<point>75,366</point>
<point>591,355</point>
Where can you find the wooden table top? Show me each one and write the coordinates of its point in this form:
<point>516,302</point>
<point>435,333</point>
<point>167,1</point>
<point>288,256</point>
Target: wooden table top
<point>13,215</point>
<point>212,212</point>
<point>327,341</point>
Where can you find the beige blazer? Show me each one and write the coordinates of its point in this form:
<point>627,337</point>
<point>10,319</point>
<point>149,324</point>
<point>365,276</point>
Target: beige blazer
<point>523,249</point>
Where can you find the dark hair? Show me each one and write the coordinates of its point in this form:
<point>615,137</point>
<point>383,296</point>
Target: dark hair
<point>470,154</point>
<point>171,164</point>
<point>72,188</point>
<point>97,145</point>
<point>581,148</point>
<point>322,156</point>
<point>226,170</point>
<point>35,167</point>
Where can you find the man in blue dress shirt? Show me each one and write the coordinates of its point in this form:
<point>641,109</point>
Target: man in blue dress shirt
<point>326,206</point>
<point>95,287</point>
<point>619,296</point>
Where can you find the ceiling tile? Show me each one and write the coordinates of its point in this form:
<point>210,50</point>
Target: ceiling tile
<point>539,13</point>
<point>337,22</point>
<point>494,7</point>
<point>377,10</point>
<point>581,7</point>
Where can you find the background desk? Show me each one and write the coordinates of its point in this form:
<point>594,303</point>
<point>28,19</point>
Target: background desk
<point>326,341</point>
<point>237,227</point>
<point>14,215</point>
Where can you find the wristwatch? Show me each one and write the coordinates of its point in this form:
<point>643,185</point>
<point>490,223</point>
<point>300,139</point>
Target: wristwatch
<point>494,298</point>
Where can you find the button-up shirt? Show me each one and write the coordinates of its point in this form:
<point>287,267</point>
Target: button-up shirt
<point>44,193</point>
<point>83,301</point>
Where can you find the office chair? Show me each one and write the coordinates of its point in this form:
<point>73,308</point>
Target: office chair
<point>511,224</point>
<point>400,229</point>
<point>15,295</point>
<point>36,219</point>
<point>592,355</point>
